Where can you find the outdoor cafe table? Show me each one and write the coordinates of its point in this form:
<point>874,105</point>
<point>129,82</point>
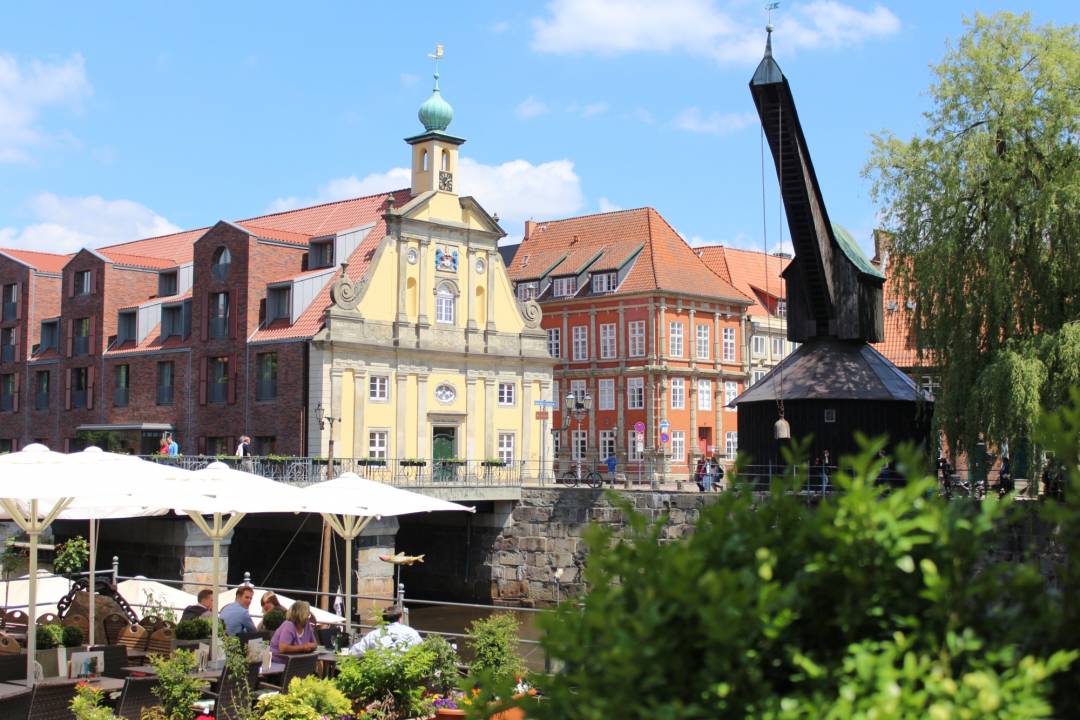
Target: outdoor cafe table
<point>276,668</point>
<point>106,684</point>
<point>8,690</point>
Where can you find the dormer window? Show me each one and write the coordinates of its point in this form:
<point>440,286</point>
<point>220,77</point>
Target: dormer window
<point>781,308</point>
<point>527,290</point>
<point>166,284</point>
<point>176,320</point>
<point>50,335</point>
<point>221,263</point>
<point>604,282</point>
<point>125,327</point>
<point>277,304</point>
<point>82,282</point>
<point>564,287</point>
<point>321,254</point>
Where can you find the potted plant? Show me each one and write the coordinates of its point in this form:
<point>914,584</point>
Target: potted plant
<point>191,631</point>
<point>71,556</point>
<point>413,462</point>
<point>273,619</point>
<point>308,697</point>
<point>371,462</point>
<point>51,653</point>
<point>177,689</point>
<point>388,683</point>
<point>493,463</point>
<point>71,637</point>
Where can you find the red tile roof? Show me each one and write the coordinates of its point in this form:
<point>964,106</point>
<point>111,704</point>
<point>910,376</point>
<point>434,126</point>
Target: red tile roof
<point>294,238</point>
<point>330,218</point>
<point>139,261</point>
<point>41,261</point>
<point>754,273</point>
<point>177,247</point>
<point>665,262</point>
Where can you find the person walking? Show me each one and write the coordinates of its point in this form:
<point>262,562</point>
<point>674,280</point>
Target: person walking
<point>699,474</point>
<point>243,452</point>
<point>174,448</point>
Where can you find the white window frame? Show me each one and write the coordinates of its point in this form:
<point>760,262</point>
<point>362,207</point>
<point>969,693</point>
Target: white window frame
<point>607,341</point>
<point>704,395</point>
<point>757,376</point>
<point>445,302</point>
<point>678,394</point>
<point>555,342</point>
<point>506,393</point>
<point>564,286</point>
<point>781,308</point>
<point>675,339</point>
<point>607,444</point>
<point>579,445</point>
<point>635,332</point>
<point>703,335</point>
<point>678,446</point>
<point>527,290</point>
<point>731,391</point>
<point>379,388</point>
<point>731,443</point>
<point>378,444</point>
<point>635,391</point>
<point>506,448</point>
<point>729,344</point>
<point>578,388</point>
<point>605,389</point>
<point>580,335</point>
<point>604,282</point>
<point>777,347</point>
<point>632,454</point>
<point>757,346</point>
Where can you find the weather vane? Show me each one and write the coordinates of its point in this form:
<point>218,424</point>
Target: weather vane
<point>769,8</point>
<point>437,56</point>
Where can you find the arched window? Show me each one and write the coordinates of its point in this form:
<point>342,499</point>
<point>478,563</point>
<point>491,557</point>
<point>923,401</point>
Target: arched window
<point>445,299</point>
<point>445,161</point>
<point>222,260</point>
<point>424,160</point>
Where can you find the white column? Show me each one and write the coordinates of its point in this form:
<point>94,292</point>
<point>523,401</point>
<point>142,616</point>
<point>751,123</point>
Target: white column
<point>489,293</point>
<point>402,389</point>
<point>470,418</point>
<point>359,400</point>
<point>423,433</point>
<point>526,419</point>
<point>402,265</point>
<point>334,410</point>
<point>490,383</point>
<point>424,291</point>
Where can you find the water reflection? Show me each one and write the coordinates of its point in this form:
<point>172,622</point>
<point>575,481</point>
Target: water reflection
<point>454,619</point>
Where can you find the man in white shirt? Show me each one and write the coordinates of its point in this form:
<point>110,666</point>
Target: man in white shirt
<point>391,635</point>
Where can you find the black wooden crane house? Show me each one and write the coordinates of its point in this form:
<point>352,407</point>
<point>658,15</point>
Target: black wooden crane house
<point>835,383</point>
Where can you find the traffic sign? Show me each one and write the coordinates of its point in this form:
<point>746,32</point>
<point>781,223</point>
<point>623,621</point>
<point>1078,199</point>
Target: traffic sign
<point>664,425</point>
<point>663,437</point>
<point>639,427</point>
<point>640,446</point>
<point>542,415</point>
<point>545,403</point>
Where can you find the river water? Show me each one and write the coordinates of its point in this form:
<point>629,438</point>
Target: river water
<point>454,619</point>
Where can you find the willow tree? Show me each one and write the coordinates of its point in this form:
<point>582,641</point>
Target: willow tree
<point>984,211</point>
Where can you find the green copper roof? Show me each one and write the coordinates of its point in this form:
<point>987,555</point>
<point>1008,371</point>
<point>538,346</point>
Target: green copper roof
<point>853,253</point>
<point>435,113</point>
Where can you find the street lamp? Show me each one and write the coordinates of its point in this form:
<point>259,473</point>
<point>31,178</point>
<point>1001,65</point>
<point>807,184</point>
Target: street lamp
<point>578,409</point>
<point>324,580</point>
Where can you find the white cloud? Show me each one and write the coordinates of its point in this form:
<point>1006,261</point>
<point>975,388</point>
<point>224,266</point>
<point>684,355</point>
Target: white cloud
<point>67,224</point>
<point>643,116</point>
<point>715,123</point>
<point>596,108</point>
<point>530,107</point>
<point>25,91</point>
<point>408,79</point>
<point>499,27</point>
<point>604,205</point>
<point>707,28</point>
<point>515,190</point>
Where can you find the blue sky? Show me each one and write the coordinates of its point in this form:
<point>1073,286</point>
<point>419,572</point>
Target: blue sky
<point>124,120</point>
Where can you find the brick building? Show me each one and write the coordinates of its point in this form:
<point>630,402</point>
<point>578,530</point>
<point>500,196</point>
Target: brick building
<point>638,321</point>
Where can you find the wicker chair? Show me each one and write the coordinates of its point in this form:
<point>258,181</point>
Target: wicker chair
<point>52,701</point>
<point>48,619</point>
<point>115,660</point>
<point>296,666</point>
<point>151,622</point>
<point>114,623</point>
<point>134,637</point>
<point>137,694</point>
<point>16,620</point>
<point>162,641</point>
<point>12,667</point>
<point>226,703</point>
<point>16,707</point>
<point>9,645</point>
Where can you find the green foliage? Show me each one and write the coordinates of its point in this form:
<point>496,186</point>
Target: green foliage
<point>177,688</point>
<point>49,636</point>
<point>389,677</point>
<point>494,642</point>
<point>71,636</point>
<point>285,707</point>
<point>157,606</point>
<point>71,556</point>
<point>983,212</point>
<point>775,609</point>
<point>444,667</point>
<point>322,695</point>
<point>236,664</point>
<point>196,629</point>
<point>87,704</point>
<point>273,619</point>
<point>11,557</point>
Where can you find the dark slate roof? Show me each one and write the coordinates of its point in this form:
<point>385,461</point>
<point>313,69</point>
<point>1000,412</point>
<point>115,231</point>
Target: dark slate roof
<point>831,369</point>
<point>507,253</point>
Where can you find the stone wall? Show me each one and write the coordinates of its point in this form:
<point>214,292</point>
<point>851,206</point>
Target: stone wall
<point>543,535</point>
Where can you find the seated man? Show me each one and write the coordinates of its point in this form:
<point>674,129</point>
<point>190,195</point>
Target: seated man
<point>391,635</point>
<point>201,608</point>
<point>235,615</point>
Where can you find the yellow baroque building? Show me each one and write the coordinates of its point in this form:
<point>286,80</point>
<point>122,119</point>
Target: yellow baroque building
<point>426,352</point>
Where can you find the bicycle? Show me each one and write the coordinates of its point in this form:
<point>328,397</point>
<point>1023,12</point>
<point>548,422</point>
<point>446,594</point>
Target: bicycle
<point>575,476</point>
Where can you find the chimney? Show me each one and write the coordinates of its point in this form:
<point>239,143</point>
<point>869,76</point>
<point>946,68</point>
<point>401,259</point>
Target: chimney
<point>530,226</point>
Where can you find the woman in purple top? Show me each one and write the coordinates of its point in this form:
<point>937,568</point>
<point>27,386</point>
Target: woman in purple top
<point>296,634</point>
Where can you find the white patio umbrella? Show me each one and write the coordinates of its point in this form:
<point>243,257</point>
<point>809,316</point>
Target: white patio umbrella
<point>226,496</point>
<point>38,485</point>
<point>349,502</point>
<point>138,590</point>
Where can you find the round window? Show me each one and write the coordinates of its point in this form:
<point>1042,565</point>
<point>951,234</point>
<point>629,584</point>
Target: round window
<point>411,256</point>
<point>222,260</point>
<point>445,393</point>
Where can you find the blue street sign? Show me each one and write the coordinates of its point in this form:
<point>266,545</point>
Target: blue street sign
<point>545,403</point>
<point>664,425</point>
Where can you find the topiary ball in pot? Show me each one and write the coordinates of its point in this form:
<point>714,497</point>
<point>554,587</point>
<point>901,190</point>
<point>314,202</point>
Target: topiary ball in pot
<point>273,619</point>
<point>49,636</point>
<point>72,636</point>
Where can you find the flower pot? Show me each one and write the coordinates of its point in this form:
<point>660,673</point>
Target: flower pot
<point>53,661</point>
<point>446,713</point>
<point>511,714</point>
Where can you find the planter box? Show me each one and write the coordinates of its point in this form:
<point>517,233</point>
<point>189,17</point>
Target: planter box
<point>53,662</point>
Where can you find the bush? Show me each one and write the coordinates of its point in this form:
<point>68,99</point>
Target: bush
<point>391,677</point>
<point>877,603</point>
<point>196,629</point>
<point>322,695</point>
<point>87,704</point>
<point>72,636</point>
<point>285,707</point>
<point>444,666</point>
<point>177,688</point>
<point>49,636</point>
<point>273,619</point>
<point>494,642</point>
<point>71,556</point>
